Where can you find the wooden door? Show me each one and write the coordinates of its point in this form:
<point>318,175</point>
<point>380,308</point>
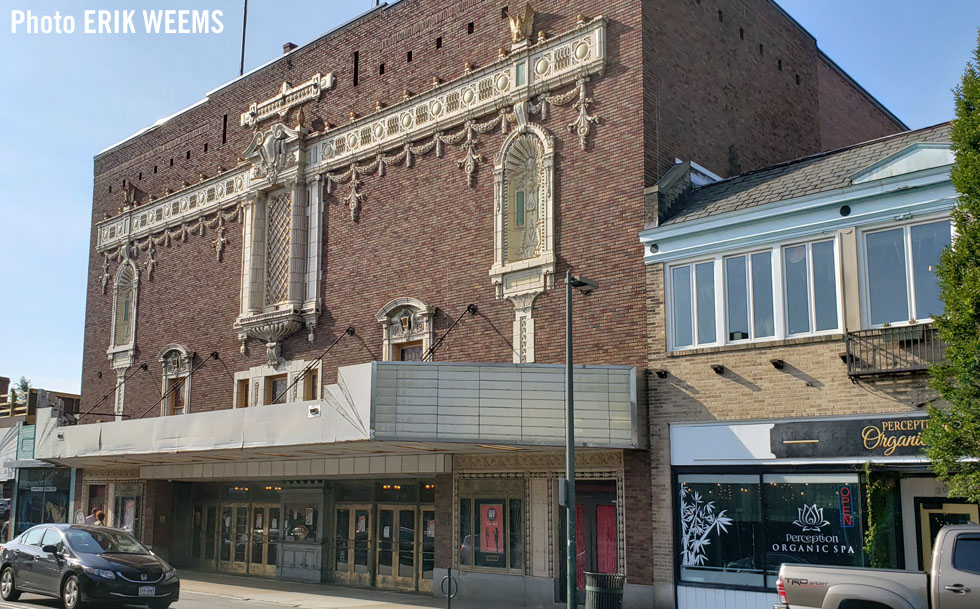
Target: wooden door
<point>352,545</point>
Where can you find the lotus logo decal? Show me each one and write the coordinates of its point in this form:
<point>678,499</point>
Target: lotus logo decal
<point>810,518</point>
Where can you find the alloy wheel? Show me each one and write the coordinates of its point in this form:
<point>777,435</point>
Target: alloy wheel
<point>70,593</point>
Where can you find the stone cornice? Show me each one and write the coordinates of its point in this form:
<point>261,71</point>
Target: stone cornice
<point>545,66</point>
<point>203,198</point>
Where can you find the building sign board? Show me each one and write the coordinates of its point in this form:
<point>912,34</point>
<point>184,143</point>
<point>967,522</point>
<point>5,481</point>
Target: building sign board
<point>871,437</point>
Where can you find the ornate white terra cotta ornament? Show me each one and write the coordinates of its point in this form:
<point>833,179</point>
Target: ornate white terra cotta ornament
<point>405,320</point>
<point>281,228</point>
<point>524,212</point>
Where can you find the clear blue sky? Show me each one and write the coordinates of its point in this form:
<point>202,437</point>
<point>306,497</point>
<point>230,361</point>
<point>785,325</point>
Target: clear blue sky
<point>64,98</point>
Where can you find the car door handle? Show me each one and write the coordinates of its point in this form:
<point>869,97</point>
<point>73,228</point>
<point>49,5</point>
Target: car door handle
<point>958,589</point>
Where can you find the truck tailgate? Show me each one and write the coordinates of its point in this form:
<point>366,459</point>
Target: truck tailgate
<point>806,586</point>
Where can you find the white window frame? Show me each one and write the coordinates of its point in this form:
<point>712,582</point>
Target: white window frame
<point>750,303</point>
<point>719,327</point>
<point>811,304</point>
<point>865,274</point>
<point>780,320</point>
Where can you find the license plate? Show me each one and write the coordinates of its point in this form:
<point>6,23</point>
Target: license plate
<point>148,591</point>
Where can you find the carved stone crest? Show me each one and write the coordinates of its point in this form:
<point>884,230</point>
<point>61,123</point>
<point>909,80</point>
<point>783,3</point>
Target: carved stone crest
<point>521,24</point>
<point>269,152</point>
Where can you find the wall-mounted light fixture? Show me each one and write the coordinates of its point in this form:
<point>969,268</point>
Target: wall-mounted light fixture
<point>777,363</point>
<point>718,368</point>
<point>661,373</point>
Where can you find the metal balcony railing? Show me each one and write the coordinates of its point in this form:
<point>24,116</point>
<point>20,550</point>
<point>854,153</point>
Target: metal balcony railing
<point>893,350</point>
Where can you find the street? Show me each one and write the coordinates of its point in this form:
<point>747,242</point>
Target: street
<point>212,591</point>
<point>188,600</point>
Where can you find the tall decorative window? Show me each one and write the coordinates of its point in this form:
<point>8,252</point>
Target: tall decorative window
<point>277,241</point>
<point>122,341</point>
<point>900,271</point>
<point>523,180</point>
<point>124,306</point>
<point>176,362</point>
<point>281,242</point>
<point>406,329</point>
<point>524,247</point>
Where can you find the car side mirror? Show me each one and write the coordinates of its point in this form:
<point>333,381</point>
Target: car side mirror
<point>49,549</point>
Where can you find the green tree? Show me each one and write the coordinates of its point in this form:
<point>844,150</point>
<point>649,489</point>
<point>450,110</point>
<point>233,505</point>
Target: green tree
<point>23,388</point>
<point>953,435</point>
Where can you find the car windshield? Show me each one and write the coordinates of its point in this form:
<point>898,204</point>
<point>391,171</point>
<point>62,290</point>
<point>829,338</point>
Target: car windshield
<point>105,541</point>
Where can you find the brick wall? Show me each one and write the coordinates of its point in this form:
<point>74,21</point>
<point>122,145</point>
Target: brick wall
<point>422,231</point>
<point>639,518</point>
<point>813,382</point>
<point>860,122</point>
<point>736,85</point>
<point>444,521</point>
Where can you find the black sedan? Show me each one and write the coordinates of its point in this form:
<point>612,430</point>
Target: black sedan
<point>81,564</point>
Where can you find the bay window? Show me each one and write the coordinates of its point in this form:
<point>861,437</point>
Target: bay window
<point>900,272</point>
<point>781,291</point>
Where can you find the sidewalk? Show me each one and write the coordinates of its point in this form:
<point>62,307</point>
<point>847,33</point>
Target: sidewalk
<point>296,594</point>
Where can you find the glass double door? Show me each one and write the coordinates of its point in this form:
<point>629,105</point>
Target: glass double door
<point>352,539</point>
<point>393,543</point>
<point>243,537</point>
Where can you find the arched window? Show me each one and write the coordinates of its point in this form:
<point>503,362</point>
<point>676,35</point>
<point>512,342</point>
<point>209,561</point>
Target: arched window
<point>406,329</point>
<point>523,232</point>
<point>523,180</point>
<point>124,306</point>
<point>176,362</point>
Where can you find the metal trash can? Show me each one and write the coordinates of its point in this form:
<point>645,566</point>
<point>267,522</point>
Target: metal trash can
<point>604,590</point>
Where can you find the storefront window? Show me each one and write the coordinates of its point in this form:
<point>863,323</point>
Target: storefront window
<point>126,515</point>
<point>739,529</point>
<point>42,497</point>
<point>720,529</point>
<point>491,533</point>
<point>301,522</point>
<point>812,519</point>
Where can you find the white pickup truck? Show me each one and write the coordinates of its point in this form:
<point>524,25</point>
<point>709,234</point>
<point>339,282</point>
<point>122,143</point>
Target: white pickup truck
<point>953,581</point>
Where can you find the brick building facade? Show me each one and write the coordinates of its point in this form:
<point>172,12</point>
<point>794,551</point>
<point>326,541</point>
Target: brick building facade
<point>422,158</point>
<point>795,376</point>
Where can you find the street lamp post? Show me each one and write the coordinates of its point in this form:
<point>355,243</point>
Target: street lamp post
<point>585,286</point>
